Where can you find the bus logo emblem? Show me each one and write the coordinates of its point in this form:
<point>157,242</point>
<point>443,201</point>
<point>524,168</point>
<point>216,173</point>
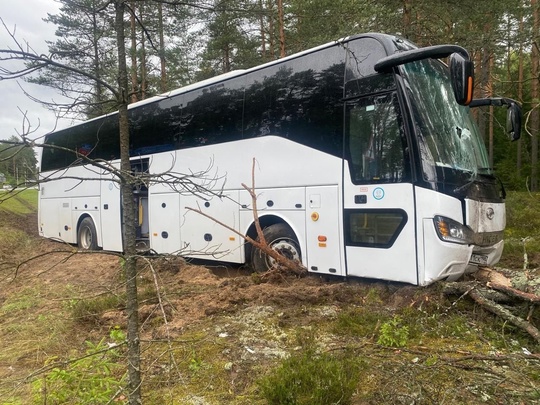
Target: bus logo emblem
<point>490,213</point>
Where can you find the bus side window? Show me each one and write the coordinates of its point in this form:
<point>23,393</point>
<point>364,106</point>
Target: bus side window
<point>375,141</point>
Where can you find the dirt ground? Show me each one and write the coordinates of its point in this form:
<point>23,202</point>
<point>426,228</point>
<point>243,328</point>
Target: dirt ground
<point>215,288</point>
<point>229,316</point>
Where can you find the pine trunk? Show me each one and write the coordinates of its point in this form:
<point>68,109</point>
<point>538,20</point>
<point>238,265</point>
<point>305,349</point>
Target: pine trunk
<point>534,119</point>
<point>281,19</point>
<point>142,62</point>
<point>263,34</point>
<point>520,87</point>
<point>407,20</point>
<point>162,61</point>
<point>128,218</point>
<point>133,54</point>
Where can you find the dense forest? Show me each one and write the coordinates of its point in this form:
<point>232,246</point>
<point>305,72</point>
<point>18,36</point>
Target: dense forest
<point>174,43</point>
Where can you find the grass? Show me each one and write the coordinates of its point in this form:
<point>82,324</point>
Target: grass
<point>311,378</point>
<point>19,202</point>
<point>522,234</point>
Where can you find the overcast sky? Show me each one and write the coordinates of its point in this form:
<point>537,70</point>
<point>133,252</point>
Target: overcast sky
<point>27,17</point>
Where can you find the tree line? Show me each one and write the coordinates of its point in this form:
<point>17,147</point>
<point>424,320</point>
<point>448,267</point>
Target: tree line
<point>17,163</point>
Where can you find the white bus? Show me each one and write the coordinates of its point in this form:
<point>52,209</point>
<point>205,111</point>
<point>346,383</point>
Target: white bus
<point>368,164</point>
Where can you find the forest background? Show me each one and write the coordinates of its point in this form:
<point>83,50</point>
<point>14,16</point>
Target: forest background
<point>172,44</point>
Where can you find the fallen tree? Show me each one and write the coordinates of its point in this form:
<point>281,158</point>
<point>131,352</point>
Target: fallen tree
<point>491,290</point>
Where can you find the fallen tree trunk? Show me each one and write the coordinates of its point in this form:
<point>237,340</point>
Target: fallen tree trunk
<point>506,314</point>
<point>488,298</point>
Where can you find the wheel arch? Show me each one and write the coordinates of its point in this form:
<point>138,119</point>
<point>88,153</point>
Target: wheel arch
<point>97,225</point>
<point>266,221</point>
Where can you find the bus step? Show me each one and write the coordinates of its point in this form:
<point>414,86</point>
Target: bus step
<point>143,245</point>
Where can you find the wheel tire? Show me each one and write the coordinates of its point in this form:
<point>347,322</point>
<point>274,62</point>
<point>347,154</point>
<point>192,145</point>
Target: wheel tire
<point>87,235</point>
<point>281,238</point>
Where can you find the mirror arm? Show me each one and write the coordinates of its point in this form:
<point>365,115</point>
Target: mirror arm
<point>436,52</point>
<point>495,101</point>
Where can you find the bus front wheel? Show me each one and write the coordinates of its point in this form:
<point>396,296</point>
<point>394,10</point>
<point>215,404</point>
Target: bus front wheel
<point>87,235</point>
<point>282,239</point>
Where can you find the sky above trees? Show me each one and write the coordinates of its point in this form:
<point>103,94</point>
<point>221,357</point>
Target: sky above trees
<point>27,18</point>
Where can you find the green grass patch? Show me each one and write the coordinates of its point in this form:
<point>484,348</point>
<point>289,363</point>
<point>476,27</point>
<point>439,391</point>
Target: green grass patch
<point>19,201</point>
<point>19,303</point>
<point>522,233</point>
<point>522,215</point>
<point>310,378</point>
<point>96,377</point>
<point>359,322</point>
<point>13,240</point>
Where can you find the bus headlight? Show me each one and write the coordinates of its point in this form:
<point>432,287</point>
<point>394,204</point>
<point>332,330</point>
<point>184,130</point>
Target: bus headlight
<point>449,230</point>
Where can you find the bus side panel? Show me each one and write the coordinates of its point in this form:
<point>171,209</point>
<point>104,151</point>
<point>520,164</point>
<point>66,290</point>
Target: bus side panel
<point>164,222</point>
<point>83,206</point>
<point>110,231</point>
<point>323,230</point>
<point>380,232</point>
<point>63,192</point>
<point>203,237</point>
<point>49,217</point>
<point>285,203</point>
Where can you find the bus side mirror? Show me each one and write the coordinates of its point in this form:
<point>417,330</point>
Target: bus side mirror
<point>513,121</point>
<point>462,76</point>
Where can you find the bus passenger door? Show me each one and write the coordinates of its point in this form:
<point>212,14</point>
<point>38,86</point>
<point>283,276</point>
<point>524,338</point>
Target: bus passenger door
<point>379,209</point>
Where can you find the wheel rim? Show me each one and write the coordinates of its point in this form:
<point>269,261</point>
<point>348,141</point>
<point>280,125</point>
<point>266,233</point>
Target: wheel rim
<point>86,238</point>
<point>285,247</point>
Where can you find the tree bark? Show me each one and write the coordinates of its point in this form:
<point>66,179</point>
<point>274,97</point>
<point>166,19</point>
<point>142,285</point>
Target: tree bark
<point>262,28</point>
<point>142,62</point>
<point>491,114</point>
<point>505,314</point>
<point>128,217</point>
<point>535,114</point>
<point>486,299</point>
<point>407,20</point>
<point>271,28</point>
<point>133,54</point>
<point>281,29</point>
<point>520,86</point>
<point>96,65</point>
<point>162,61</point>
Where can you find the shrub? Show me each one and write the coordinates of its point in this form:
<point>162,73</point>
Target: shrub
<point>308,378</point>
<point>90,379</point>
<point>393,333</point>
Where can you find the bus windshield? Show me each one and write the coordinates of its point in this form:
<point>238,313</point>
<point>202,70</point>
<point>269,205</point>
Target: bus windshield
<point>448,138</point>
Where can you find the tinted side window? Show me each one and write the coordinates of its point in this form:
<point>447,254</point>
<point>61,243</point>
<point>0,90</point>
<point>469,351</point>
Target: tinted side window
<point>212,114</point>
<point>362,54</point>
<point>96,139</point>
<point>155,127</point>
<point>373,228</point>
<point>300,99</point>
